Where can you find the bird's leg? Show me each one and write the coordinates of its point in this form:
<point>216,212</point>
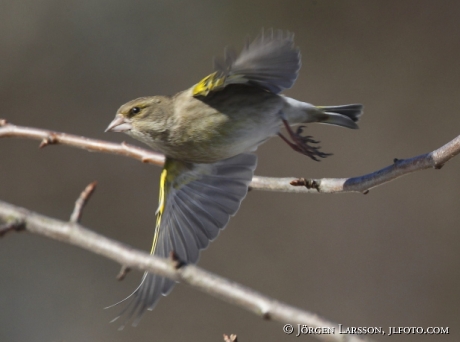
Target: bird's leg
<point>300,143</point>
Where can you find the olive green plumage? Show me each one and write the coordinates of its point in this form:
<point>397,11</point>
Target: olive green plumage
<point>207,133</point>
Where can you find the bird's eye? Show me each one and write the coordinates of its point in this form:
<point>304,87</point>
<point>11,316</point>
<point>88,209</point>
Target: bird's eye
<point>135,110</point>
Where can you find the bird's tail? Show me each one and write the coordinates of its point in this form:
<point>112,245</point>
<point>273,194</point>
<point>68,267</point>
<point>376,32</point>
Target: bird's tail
<point>298,112</point>
<point>345,116</point>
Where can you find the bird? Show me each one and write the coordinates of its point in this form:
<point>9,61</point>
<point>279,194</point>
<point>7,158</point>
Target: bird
<point>208,134</point>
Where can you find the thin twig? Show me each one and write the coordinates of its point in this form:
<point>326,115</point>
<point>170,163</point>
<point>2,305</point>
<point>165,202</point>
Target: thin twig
<point>231,338</point>
<point>210,283</point>
<point>361,184</point>
<point>81,201</point>
<point>15,225</point>
<point>123,272</point>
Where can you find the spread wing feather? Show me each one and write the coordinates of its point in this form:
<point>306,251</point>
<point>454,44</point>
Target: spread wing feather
<point>196,201</point>
<point>271,61</point>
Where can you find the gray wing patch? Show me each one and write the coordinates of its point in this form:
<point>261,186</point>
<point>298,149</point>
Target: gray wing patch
<point>270,61</point>
<point>193,216</point>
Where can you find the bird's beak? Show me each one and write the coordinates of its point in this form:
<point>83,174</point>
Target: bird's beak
<point>119,124</point>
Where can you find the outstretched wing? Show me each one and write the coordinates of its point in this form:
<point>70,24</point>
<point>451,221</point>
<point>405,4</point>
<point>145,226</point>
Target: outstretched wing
<point>196,201</point>
<point>271,61</point>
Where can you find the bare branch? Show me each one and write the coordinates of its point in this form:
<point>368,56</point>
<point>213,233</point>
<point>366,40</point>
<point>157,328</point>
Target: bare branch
<point>47,137</point>
<point>362,184</point>
<point>81,201</point>
<point>77,235</point>
<point>400,167</point>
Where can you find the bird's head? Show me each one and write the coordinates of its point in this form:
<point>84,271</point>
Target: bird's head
<point>143,118</point>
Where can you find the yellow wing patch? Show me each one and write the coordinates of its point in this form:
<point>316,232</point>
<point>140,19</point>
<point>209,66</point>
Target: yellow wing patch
<point>208,84</point>
<point>161,208</point>
<point>215,82</point>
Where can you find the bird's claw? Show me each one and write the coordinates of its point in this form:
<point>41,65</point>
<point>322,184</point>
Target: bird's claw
<point>301,143</point>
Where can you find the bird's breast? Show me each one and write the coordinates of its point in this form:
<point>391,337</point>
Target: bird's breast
<point>222,126</point>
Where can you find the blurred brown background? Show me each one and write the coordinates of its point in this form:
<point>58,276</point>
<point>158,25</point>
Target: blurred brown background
<point>390,258</point>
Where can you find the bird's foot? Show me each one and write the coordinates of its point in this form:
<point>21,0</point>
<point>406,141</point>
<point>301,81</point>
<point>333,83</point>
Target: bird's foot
<point>301,143</point>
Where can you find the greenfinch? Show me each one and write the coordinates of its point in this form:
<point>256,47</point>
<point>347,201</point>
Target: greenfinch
<point>208,134</point>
